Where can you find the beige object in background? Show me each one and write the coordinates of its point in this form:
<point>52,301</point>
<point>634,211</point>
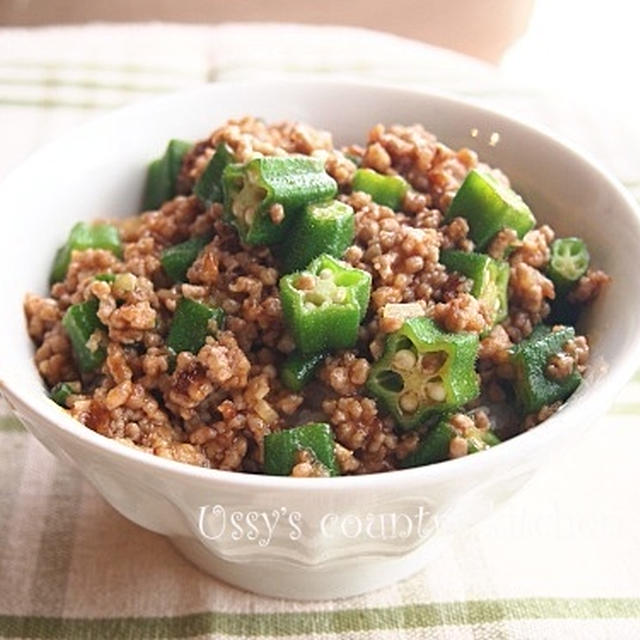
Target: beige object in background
<point>481,28</point>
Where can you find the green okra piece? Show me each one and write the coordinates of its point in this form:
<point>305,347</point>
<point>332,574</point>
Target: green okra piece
<point>490,279</point>
<point>282,448</point>
<point>478,440</point>
<point>106,277</point>
<point>298,369</point>
<point>324,304</point>
<point>488,207</point>
<point>534,388</point>
<point>81,323</point>
<point>85,236</point>
<point>162,175</point>
<point>568,262</point>
<point>177,259</point>
<point>383,189</point>
<point>192,323</point>
<point>208,188</point>
<point>61,391</point>
<point>424,371</point>
<point>322,227</point>
<point>262,197</point>
<point>434,446</point>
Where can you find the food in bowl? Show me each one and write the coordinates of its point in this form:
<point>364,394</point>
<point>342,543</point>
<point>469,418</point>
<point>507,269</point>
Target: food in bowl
<point>285,307</point>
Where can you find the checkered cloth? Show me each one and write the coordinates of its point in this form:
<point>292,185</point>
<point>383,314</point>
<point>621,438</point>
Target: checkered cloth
<point>561,560</point>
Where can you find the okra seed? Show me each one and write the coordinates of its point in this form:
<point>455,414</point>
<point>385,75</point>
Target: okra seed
<point>404,359</point>
<point>276,213</point>
<point>409,402</point>
<point>325,274</point>
<point>315,297</point>
<point>249,214</point>
<point>435,390</point>
<point>340,295</point>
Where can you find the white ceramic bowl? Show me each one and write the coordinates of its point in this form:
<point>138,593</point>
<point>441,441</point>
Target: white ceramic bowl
<point>290,537</point>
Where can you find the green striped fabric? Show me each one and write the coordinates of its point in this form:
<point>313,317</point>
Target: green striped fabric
<point>473,614</point>
<point>560,561</point>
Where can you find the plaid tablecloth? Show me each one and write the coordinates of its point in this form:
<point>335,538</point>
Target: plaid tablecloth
<point>561,560</point>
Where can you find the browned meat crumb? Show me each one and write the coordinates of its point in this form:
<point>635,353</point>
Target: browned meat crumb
<point>306,467</point>
<point>458,447</point>
<point>493,361</point>
<point>345,373</point>
<point>528,288</point>
<point>559,366</point>
<point>346,461</point>
<point>377,157</point>
<point>189,386</point>
<point>226,365</point>
<point>534,419</point>
<point>402,259</point>
<point>481,420</point>
<point>454,235</point>
<point>42,315</point>
<point>427,164</point>
<point>501,242</point>
<point>464,425</point>
<point>572,358</point>
<point>589,287</point>
<point>249,136</point>
<point>534,248</point>
<point>359,428</point>
<point>389,324</point>
<point>462,313</point>
<point>578,350</point>
<point>494,347</point>
<point>53,357</point>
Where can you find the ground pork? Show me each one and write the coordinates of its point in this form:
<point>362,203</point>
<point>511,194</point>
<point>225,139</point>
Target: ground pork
<point>215,407</point>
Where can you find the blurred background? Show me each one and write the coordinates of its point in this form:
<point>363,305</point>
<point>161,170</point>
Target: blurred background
<point>571,61</point>
<point>480,28</point>
<point>575,47</point>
